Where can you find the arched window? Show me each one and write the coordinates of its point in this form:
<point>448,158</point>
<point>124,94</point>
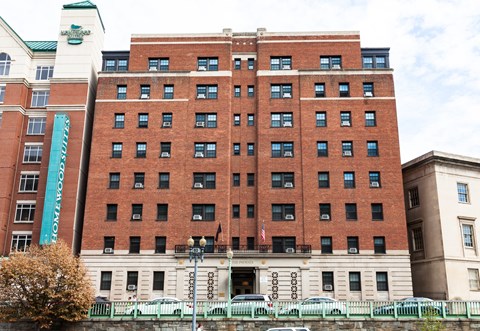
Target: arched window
<point>4,64</point>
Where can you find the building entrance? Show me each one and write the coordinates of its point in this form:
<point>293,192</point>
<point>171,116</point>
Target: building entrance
<point>243,281</point>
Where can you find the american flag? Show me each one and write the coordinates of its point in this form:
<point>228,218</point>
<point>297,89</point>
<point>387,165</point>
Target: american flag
<point>262,234</point>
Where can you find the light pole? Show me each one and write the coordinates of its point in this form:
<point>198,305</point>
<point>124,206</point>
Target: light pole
<point>229,302</point>
<point>195,253</point>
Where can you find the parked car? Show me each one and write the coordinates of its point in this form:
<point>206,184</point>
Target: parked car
<point>315,306</point>
<point>409,306</point>
<point>243,304</point>
<point>287,328</point>
<point>101,307</point>
<point>166,305</point>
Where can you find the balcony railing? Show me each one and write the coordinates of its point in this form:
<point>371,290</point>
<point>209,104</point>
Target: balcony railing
<point>248,249</point>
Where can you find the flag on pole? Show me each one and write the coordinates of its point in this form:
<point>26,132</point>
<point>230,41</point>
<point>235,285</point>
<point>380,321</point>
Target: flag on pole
<point>218,231</point>
<point>262,234</point>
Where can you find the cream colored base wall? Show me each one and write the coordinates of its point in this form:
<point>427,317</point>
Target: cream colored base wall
<point>458,280</point>
<point>283,277</point>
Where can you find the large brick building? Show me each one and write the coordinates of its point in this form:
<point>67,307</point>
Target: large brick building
<point>292,133</point>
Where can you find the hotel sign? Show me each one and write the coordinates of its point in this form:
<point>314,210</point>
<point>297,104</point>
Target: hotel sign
<point>75,34</point>
<point>55,180</point>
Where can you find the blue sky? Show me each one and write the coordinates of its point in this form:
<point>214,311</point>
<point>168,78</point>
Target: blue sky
<point>434,48</point>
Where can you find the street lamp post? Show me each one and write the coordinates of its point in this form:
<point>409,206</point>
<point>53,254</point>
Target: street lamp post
<point>195,253</point>
<point>229,302</point>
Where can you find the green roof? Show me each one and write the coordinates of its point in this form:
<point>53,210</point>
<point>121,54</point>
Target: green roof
<point>80,5</point>
<point>42,46</point>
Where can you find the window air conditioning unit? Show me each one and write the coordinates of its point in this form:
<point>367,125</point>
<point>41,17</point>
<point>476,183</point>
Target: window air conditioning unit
<point>287,95</point>
<point>288,185</point>
<point>144,96</point>
<point>202,68</point>
<point>197,217</point>
<point>201,96</point>
<point>287,154</point>
<point>198,185</point>
<point>200,124</point>
<point>198,154</point>
<point>287,124</point>
<point>165,154</point>
<point>325,217</point>
<point>136,216</point>
<point>328,287</point>
<point>374,184</point>
<point>336,66</point>
<point>167,124</point>
<point>345,123</point>
<point>131,287</point>
<point>352,250</point>
<point>368,94</point>
<point>289,217</point>
<point>347,153</point>
<point>138,185</point>
<point>152,69</point>
<point>108,250</point>
<point>290,250</point>
<point>286,67</point>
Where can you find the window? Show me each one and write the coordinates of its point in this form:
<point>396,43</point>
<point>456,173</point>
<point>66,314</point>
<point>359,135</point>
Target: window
<point>325,212</point>
<point>468,240</point>
<point>40,98</point>
<point>160,245</point>
<point>367,62</point>
<point>28,182</point>
<point>326,243</point>
<point>209,247</point>
<point>345,118</point>
<point>235,211</point>
<point>281,63</point>
<point>283,212</point>
<point>237,64</point>
<point>25,212</point>
<point>352,245</point>
<point>349,180</point>
<point>344,89</point>
<point>354,280</point>
<point>251,91</point>
<point>236,149</point>
<point>347,148</point>
<point>121,92</point>
<point>205,180</point>
<point>327,281</point>
<point>168,92</point>
<point>323,180</point>
<point>281,244</point>
<point>119,121</point>
<point>2,93</point>
<point>377,212</point>
<point>105,281</point>
<point>322,148</point>
<point>108,242</point>
<point>4,64</point>
<point>250,211</point>
<point>413,197</point>
<point>368,89</point>
<point>115,65</point>
<point>144,91</point>
<point>208,64</point>
<point>250,179</point>
<point>282,149</point>
<point>473,279</point>
<point>417,239</point>
<point>321,119</point>
<point>351,211</point>
<point>134,245</point>
<point>319,90</point>
<point>44,72</point>
<point>21,242</point>
<point>236,179</point>
<point>235,243</point>
<point>250,243</point>
<point>374,179</point>
<point>132,278</point>
<point>250,119</point>
<point>32,153</point>
<point>138,179</point>
<point>462,190</point>
<point>143,120</point>
<point>203,212</point>
<point>379,245</point>
<point>283,179</point>
<point>250,149</point>
<point>162,212</point>
<point>370,118</point>
<point>250,63</point>
<point>117,150</point>
<point>330,62</point>
<point>207,91</point>
<point>372,148</point>
<point>236,119</point>
<point>167,119</point>
<point>206,120</point>
<point>158,280</point>
<point>114,180</point>
<point>141,151</point>
<point>36,125</point>
<point>382,281</point>
<point>281,91</point>
<point>237,91</point>
<point>137,210</point>
<point>378,61</point>
<point>281,120</point>
<point>112,212</point>
<point>161,64</point>
<point>164,180</point>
